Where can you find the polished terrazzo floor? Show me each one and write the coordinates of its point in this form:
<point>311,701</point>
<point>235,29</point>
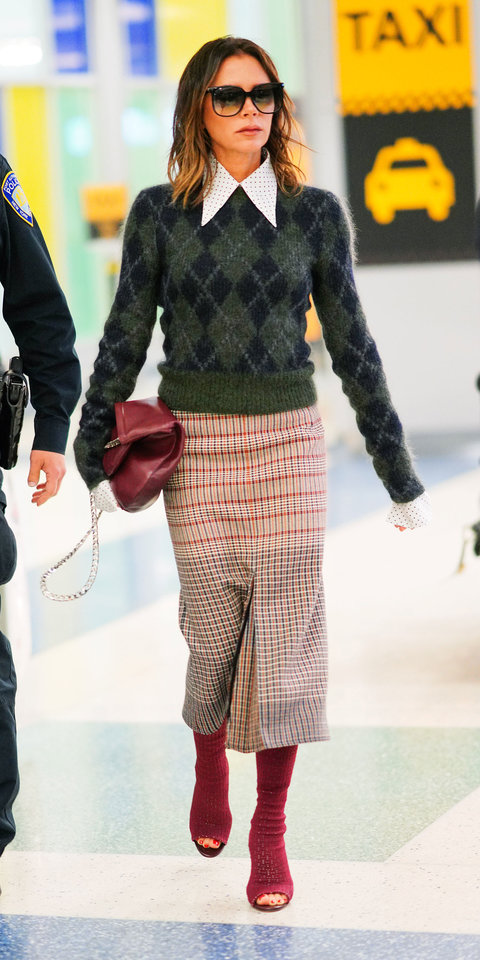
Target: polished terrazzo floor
<point>382,820</point>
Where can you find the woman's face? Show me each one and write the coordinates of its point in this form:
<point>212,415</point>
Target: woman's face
<point>248,131</point>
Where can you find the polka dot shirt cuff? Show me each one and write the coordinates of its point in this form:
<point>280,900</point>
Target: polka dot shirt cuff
<point>416,513</point>
<point>104,497</point>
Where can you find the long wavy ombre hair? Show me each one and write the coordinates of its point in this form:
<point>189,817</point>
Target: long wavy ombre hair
<point>189,168</point>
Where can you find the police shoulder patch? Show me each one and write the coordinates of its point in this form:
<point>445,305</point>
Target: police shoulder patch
<point>14,195</point>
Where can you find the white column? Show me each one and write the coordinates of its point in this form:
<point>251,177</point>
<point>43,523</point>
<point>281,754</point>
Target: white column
<point>323,124</point>
<point>109,88</point>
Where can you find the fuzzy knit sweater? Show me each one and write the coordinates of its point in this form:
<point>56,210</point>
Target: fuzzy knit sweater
<point>234,294</point>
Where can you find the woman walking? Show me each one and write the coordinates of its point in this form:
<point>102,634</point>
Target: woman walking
<point>231,249</point>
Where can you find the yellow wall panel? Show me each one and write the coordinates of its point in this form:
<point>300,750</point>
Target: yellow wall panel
<point>184,26</point>
<point>29,152</point>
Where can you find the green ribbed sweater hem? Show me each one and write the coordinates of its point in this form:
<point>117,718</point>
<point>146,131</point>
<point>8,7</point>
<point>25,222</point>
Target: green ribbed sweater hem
<point>211,392</point>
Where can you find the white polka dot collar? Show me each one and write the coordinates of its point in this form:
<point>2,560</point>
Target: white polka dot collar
<point>260,187</point>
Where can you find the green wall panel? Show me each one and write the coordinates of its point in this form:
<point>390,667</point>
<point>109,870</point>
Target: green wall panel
<point>77,168</point>
<point>286,47</point>
<point>277,26</point>
<point>147,134</point>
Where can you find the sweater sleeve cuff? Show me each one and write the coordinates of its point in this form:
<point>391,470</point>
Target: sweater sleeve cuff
<point>50,434</point>
<point>416,513</point>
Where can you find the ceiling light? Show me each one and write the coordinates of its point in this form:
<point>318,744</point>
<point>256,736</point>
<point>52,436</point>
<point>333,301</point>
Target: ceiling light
<point>24,52</point>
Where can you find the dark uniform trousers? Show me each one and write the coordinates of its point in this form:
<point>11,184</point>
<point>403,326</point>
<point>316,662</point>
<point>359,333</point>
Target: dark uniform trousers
<point>9,778</point>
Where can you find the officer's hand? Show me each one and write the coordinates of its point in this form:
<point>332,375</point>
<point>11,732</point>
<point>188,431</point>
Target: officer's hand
<point>53,466</point>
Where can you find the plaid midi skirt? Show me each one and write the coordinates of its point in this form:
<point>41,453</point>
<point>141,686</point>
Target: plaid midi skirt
<point>246,511</point>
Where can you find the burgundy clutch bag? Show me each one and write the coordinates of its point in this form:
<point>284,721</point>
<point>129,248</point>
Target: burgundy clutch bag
<point>146,444</point>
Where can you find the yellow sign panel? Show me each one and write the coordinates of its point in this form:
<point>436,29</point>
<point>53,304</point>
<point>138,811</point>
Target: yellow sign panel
<point>395,56</point>
<point>314,330</point>
<point>104,207</point>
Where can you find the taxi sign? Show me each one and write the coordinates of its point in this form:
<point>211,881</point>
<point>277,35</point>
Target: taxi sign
<point>395,55</point>
<point>409,175</point>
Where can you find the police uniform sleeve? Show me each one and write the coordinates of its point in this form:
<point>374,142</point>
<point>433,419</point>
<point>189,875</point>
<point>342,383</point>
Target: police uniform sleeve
<point>36,311</point>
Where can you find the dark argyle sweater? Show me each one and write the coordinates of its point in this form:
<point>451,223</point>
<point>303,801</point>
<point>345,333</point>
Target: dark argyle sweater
<point>234,294</point>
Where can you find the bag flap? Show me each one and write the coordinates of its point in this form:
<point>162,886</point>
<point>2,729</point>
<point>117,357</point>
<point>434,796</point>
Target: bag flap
<point>138,418</point>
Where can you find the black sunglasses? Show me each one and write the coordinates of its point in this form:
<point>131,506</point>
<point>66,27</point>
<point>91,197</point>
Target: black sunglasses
<point>228,101</point>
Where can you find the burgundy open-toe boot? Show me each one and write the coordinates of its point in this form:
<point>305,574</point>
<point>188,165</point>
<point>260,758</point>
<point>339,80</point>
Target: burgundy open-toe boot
<point>270,871</point>
<point>210,814</point>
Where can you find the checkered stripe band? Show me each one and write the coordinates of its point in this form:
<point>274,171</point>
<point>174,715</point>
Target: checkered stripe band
<point>246,512</point>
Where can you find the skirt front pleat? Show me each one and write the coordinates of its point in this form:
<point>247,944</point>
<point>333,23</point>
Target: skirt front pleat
<point>246,512</point>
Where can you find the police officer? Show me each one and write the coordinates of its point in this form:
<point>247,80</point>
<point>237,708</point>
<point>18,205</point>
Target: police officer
<point>36,311</point>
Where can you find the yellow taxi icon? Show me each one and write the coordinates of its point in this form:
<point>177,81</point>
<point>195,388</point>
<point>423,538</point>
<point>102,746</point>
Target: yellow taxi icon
<point>409,175</point>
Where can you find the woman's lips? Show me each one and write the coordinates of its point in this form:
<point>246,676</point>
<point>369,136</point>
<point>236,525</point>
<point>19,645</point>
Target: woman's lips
<point>249,130</point>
